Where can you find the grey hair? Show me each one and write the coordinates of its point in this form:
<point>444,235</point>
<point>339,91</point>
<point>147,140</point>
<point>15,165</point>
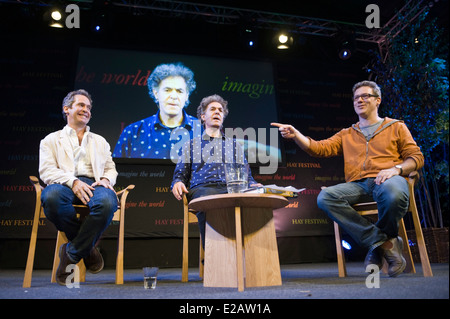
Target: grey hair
<point>70,98</point>
<point>208,100</point>
<point>163,71</point>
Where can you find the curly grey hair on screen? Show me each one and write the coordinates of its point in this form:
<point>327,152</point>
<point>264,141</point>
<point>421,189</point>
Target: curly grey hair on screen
<point>163,71</point>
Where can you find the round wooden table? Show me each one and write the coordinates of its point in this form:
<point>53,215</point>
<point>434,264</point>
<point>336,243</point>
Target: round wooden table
<point>240,241</point>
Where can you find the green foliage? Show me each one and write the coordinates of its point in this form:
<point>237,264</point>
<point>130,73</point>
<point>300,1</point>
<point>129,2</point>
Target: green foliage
<point>414,82</point>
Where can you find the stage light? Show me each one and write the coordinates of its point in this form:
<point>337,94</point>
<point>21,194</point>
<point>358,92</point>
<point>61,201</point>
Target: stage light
<point>346,44</point>
<point>346,245</point>
<point>99,23</point>
<point>345,53</point>
<point>54,17</point>
<point>284,41</point>
<point>283,38</point>
<point>56,25</point>
<point>249,37</point>
<point>101,16</point>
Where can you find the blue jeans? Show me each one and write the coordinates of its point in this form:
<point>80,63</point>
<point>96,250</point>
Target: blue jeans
<point>392,199</point>
<point>57,201</point>
<point>205,190</point>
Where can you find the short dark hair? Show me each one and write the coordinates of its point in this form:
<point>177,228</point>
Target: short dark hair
<point>70,98</point>
<point>375,88</point>
<point>208,100</point>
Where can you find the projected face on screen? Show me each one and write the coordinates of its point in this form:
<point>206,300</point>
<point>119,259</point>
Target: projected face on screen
<point>171,96</point>
<point>145,96</point>
<point>169,85</point>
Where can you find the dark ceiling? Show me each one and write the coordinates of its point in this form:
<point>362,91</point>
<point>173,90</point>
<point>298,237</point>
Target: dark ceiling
<point>132,24</point>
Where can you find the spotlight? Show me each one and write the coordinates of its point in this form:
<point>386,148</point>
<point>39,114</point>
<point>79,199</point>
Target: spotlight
<point>99,22</point>
<point>346,44</point>
<point>283,38</point>
<point>102,16</point>
<point>249,37</point>
<point>346,245</point>
<point>54,17</point>
<point>345,52</point>
<point>284,41</point>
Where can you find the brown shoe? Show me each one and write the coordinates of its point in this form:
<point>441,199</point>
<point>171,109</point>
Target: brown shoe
<point>394,257</point>
<point>64,261</point>
<point>94,262</point>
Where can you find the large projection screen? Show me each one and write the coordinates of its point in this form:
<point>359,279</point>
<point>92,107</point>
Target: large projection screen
<point>117,81</point>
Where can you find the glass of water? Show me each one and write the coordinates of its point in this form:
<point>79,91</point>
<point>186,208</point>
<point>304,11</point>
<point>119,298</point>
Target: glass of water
<point>150,277</point>
<point>236,177</point>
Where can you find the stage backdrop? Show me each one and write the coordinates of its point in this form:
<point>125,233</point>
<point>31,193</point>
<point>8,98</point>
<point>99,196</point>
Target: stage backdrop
<point>118,82</point>
<point>313,96</point>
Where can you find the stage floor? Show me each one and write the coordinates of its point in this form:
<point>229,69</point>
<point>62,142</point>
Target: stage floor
<point>300,281</point>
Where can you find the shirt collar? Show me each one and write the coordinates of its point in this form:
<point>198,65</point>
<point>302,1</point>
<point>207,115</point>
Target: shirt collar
<point>206,137</point>
<point>68,130</point>
<point>187,121</point>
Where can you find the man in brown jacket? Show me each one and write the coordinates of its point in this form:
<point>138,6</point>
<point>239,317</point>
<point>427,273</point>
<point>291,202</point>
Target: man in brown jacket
<point>377,153</point>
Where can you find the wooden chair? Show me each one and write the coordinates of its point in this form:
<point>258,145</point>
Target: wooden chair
<point>371,209</point>
<point>61,238</point>
<point>189,217</point>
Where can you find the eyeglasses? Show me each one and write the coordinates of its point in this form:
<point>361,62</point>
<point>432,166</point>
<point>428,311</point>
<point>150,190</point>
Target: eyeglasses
<point>364,96</point>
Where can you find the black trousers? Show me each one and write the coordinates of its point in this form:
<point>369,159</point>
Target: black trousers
<point>205,190</point>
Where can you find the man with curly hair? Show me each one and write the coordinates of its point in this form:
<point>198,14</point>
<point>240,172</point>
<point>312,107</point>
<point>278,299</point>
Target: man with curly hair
<point>201,166</point>
<point>170,86</point>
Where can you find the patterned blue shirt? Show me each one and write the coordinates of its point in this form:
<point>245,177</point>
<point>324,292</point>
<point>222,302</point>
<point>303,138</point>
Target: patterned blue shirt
<point>150,138</point>
<point>203,161</point>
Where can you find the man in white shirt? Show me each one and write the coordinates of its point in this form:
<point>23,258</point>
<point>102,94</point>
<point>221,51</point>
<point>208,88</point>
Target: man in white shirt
<point>77,167</point>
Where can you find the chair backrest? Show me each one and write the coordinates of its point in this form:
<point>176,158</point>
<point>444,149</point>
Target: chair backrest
<point>412,179</point>
<point>38,188</point>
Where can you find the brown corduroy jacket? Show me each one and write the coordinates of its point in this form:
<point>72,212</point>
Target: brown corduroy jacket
<point>390,145</point>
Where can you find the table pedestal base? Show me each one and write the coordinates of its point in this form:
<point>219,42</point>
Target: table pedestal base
<point>241,248</point>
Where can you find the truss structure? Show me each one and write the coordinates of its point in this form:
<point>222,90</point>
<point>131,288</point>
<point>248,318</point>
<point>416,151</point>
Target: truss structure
<point>259,19</point>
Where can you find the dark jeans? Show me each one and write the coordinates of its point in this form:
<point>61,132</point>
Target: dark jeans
<point>57,201</point>
<point>205,190</point>
<point>392,199</point>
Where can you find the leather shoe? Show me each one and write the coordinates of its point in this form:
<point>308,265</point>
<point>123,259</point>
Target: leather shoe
<point>94,262</point>
<point>64,261</point>
<point>394,257</point>
<point>374,257</point>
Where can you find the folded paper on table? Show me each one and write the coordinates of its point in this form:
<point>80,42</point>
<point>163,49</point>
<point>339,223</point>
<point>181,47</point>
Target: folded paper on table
<point>287,191</point>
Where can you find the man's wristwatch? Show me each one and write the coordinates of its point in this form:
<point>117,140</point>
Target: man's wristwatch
<point>400,168</point>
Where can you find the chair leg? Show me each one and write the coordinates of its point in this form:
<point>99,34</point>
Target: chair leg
<point>185,260</point>
<point>410,268</point>
<point>239,249</point>
<point>60,239</point>
<point>82,268</point>
<point>120,249</point>
<point>32,248</point>
<point>385,267</point>
<point>340,251</point>
<point>426,268</point>
<point>201,259</point>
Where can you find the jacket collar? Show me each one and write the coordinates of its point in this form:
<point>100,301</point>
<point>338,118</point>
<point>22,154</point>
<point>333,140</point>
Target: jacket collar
<point>386,123</point>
